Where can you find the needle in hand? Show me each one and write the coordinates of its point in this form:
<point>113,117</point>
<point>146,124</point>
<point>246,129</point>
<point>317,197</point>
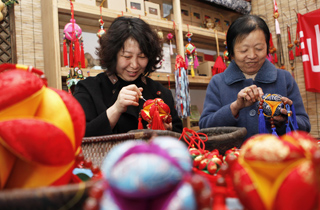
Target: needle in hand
<point>142,98</point>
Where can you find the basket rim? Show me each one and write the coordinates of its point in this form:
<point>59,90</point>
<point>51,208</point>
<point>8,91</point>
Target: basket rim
<point>230,132</point>
<point>133,134</point>
<point>76,192</point>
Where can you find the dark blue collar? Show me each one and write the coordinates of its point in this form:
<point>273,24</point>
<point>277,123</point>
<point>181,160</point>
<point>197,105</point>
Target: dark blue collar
<point>267,73</point>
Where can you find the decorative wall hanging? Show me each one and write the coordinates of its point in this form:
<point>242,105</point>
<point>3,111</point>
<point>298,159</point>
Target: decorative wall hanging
<point>191,54</point>
<point>101,30</point>
<point>219,66</point>
<point>290,46</point>
<point>272,56</point>
<point>73,38</point>
<point>182,88</point>
<point>278,33</point>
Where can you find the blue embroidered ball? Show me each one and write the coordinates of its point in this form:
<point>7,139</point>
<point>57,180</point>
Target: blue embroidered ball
<point>272,104</point>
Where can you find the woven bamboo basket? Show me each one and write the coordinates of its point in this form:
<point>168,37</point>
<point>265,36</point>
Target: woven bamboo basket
<point>96,148</point>
<point>71,196</point>
<point>223,138</point>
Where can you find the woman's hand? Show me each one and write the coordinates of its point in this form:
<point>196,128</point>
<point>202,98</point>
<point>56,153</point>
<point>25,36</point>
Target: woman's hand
<point>168,126</point>
<point>284,114</point>
<point>128,96</point>
<point>246,97</point>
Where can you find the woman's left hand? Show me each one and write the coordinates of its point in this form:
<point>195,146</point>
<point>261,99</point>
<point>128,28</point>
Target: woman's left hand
<point>284,114</point>
<point>168,126</point>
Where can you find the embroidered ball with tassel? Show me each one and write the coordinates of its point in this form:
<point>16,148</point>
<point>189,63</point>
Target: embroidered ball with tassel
<point>272,104</point>
<point>156,112</point>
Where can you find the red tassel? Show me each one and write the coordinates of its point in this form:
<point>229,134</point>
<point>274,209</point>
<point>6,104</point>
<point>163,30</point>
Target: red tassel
<point>300,51</point>
<point>275,58</point>
<point>65,53</point>
<point>71,55</point>
<point>291,57</point>
<point>83,61</point>
<point>76,53</point>
<point>297,51</point>
<point>157,124</point>
<point>140,126</point>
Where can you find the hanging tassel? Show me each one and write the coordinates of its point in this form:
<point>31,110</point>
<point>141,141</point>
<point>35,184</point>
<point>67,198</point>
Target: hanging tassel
<point>300,51</point>
<point>297,51</point>
<point>71,55</point>
<point>294,118</point>
<point>192,71</point>
<point>196,63</point>
<point>262,122</point>
<point>171,49</point>
<point>275,58</point>
<point>77,56</point>
<point>83,61</point>
<point>288,129</point>
<point>157,124</point>
<point>274,131</point>
<point>140,126</point>
<point>65,53</point>
<point>270,58</point>
<point>291,57</point>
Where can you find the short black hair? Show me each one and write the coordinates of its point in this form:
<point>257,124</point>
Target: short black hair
<point>243,26</point>
<point>121,29</point>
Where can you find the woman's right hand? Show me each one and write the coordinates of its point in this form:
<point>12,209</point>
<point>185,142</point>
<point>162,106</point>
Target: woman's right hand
<point>128,96</point>
<point>246,97</point>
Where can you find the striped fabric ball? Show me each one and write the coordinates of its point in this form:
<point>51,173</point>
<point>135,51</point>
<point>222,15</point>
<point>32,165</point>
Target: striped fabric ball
<point>41,131</point>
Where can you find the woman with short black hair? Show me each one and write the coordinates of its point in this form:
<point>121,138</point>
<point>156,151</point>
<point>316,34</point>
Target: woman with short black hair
<point>130,50</point>
<point>232,97</point>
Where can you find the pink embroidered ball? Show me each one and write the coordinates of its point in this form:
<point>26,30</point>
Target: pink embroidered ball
<point>72,32</point>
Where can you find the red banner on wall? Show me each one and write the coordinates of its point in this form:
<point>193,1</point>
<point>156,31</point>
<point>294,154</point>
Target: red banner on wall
<point>309,33</point>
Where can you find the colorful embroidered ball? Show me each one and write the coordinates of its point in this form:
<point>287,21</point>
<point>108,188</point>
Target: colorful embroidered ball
<point>148,176</point>
<point>72,30</point>
<point>278,173</point>
<point>190,48</point>
<point>272,104</point>
<point>41,130</point>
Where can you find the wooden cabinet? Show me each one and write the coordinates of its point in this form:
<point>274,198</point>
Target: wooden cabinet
<point>56,13</point>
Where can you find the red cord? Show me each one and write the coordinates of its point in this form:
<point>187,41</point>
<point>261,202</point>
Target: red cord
<point>194,139</point>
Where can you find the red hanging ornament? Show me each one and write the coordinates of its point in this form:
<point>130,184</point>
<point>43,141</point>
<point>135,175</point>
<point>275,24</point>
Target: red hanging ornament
<point>72,34</point>
<point>219,66</point>
<point>291,57</point>
<point>272,49</point>
<point>101,30</point>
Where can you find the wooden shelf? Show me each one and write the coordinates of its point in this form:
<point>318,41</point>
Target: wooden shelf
<point>196,82</point>
<point>89,15</point>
